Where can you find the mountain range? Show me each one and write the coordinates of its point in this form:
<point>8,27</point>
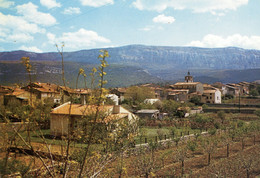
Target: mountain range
<point>140,64</point>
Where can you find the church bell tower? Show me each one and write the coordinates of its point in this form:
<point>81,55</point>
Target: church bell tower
<point>188,78</point>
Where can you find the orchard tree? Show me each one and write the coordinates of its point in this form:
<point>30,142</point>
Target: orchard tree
<point>170,107</point>
<point>221,115</point>
<point>180,156</point>
<point>137,94</point>
<point>209,145</point>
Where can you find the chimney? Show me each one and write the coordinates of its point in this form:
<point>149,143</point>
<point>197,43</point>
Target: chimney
<point>116,109</point>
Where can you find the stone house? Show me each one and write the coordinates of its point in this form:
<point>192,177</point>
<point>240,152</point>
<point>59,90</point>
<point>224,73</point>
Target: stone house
<point>69,116</point>
<point>19,95</point>
<point>45,91</point>
<point>189,85</point>
<point>211,96</point>
<point>148,113</point>
<point>120,92</point>
<point>182,91</point>
<point>232,89</point>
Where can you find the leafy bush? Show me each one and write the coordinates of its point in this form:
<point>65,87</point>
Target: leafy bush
<point>204,106</point>
<point>253,92</point>
<point>195,100</point>
<point>201,119</point>
<point>192,145</point>
<point>212,131</point>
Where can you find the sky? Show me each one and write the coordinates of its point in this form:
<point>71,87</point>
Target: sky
<point>40,25</point>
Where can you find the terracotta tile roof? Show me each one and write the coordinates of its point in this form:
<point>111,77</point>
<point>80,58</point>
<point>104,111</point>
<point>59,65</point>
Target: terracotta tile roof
<point>81,110</point>
<point>17,92</point>
<point>195,93</point>
<point>46,90</point>
<point>186,83</point>
<point>180,90</point>
<point>147,111</point>
<point>122,90</point>
<point>45,87</point>
<point>7,87</point>
<point>78,109</point>
<point>218,84</point>
<point>75,91</point>
<point>209,91</point>
<point>206,85</point>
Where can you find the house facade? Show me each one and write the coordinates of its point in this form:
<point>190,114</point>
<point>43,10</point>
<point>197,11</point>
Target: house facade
<point>211,96</point>
<point>45,91</point>
<point>19,95</point>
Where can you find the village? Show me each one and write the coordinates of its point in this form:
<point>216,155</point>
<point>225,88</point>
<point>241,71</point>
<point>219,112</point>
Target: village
<point>181,92</point>
<point>155,117</point>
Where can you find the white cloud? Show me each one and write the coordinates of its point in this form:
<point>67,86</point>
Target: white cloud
<point>16,23</point>
<point>31,49</point>
<point>195,6</point>
<point>30,13</point>
<point>20,37</point>
<point>51,37</point>
<point>78,40</point>
<point>3,32</point>
<point>96,3</point>
<point>211,41</point>
<point>163,19</point>
<point>6,3</point>
<point>15,28</point>
<point>72,10</point>
<point>145,29</point>
<point>50,3</point>
<point>151,27</point>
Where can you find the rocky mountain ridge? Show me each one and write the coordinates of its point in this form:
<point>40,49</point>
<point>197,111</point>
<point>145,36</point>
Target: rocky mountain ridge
<point>154,57</point>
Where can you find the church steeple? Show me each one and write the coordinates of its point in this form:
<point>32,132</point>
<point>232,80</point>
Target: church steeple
<point>188,78</point>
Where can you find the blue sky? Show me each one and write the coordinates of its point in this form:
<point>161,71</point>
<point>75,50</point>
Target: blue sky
<point>85,24</point>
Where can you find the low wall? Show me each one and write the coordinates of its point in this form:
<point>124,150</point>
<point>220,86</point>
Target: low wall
<point>227,105</point>
<point>244,111</point>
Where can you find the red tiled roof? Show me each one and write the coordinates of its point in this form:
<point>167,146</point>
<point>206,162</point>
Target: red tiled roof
<point>17,92</point>
<point>209,91</point>
<point>81,110</point>
<point>78,109</point>
<point>186,83</point>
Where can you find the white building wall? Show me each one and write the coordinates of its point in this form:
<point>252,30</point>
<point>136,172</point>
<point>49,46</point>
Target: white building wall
<point>217,96</point>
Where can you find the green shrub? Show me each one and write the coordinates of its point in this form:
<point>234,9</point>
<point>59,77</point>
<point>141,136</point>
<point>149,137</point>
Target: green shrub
<point>192,145</point>
<point>204,106</point>
<point>212,131</point>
